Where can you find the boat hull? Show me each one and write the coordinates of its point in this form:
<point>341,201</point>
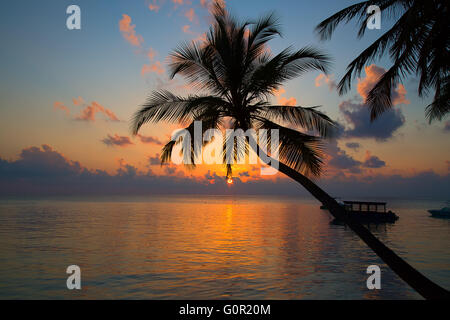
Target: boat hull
<point>373,217</point>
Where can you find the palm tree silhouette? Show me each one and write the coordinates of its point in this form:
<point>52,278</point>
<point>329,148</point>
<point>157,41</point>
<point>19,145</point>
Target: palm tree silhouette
<point>418,43</point>
<point>240,74</point>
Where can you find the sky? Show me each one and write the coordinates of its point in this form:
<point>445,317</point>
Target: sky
<point>67,97</point>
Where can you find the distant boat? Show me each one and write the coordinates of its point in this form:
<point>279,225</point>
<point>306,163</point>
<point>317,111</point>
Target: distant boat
<point>442,213</point>
<point>369,211</point>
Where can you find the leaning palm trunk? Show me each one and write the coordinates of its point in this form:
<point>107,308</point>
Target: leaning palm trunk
<point>424,286</point>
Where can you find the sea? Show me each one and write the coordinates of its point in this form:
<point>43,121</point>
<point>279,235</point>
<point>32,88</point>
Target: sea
<point>209,247</point>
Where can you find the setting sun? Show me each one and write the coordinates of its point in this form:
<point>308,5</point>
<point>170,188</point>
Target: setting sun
<point>230,181</point>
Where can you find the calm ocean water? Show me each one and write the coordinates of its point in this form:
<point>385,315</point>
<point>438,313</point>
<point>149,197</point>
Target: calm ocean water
<point>208,247</point>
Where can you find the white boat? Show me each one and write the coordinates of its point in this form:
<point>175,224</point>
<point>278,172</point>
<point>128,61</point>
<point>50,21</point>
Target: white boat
<point>444,212</point>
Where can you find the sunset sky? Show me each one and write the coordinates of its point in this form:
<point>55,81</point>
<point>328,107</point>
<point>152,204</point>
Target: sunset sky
<point>67,97</point>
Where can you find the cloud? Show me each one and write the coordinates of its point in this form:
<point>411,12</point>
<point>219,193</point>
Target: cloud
<point>282,100</point>
<point>149,140</point>
<point>200,38</point>
<point>151,54</point>
<point>373,74</point>
<point>373,161</point>
<point>339,159</point>
<point>357,114</point>
<point>89,112</point>
<point>353,145</point>
<point>128,32</point>
<point>152,68</point>
<point>78,101</point>
<point>357,119</point>
<point>116,140</point>
<point>155,5</point>
<point>322,79</point>
<point>190,15</point>
<point>244,174</point>
<point>57,105</point>
<point>154,161</point>
<point>187,29</point>
<point>287,102</point>
<point>45,171</point>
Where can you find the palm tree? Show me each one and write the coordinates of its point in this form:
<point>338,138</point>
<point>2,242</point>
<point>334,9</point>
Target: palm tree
<point>234,66</point>
<point>418,43</point>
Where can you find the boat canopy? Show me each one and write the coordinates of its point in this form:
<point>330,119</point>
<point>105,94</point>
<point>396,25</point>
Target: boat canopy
<point>365,206</point>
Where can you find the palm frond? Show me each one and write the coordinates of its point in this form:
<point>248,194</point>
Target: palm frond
<point>285,66</point>
<point>308,118</point>
<point>165,106</point>
<point>300,151</point>
<point>326,28</point>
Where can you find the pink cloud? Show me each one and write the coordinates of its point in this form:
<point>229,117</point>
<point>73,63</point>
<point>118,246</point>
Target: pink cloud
<point>373,74</point>
<point>200,38</point>
<point>190,14</point>
<point>57,105</point>
<point>155,5</point>
<point>151,54</point>
<point>78,101</point>
<point>89,112</point>
<point>128,32</point>
<point>187,29</point>
<point>322,79</point>
<point>155,67</point>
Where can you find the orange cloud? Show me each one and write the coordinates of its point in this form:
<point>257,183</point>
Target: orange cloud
<point>373,74</point>
<point>287,102</point>
<point>78,101</point>
<point>322,79</point>
<point>155,67</point>
<point>200,38</point>
<point>128,32</point>
<point>88,113</point>
<point>57,105</point>
<point>399,96</point>
<point>190,14</point>
<point>187,29</point>
<point>155,5</point>
<point>282,100</point>
<point>151,54</point>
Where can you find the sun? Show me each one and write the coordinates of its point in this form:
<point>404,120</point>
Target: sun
<point>230,181</point>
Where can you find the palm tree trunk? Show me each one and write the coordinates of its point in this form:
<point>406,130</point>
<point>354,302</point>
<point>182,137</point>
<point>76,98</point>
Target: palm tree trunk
<point>423,285</point>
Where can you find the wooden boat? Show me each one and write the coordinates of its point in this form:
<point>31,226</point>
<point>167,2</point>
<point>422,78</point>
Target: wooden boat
<point>369,211</point>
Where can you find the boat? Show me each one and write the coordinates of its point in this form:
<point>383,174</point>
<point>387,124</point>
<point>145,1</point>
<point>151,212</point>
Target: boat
<point>369,211</point>
<point>324,207</point>
<point>442,213</point>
